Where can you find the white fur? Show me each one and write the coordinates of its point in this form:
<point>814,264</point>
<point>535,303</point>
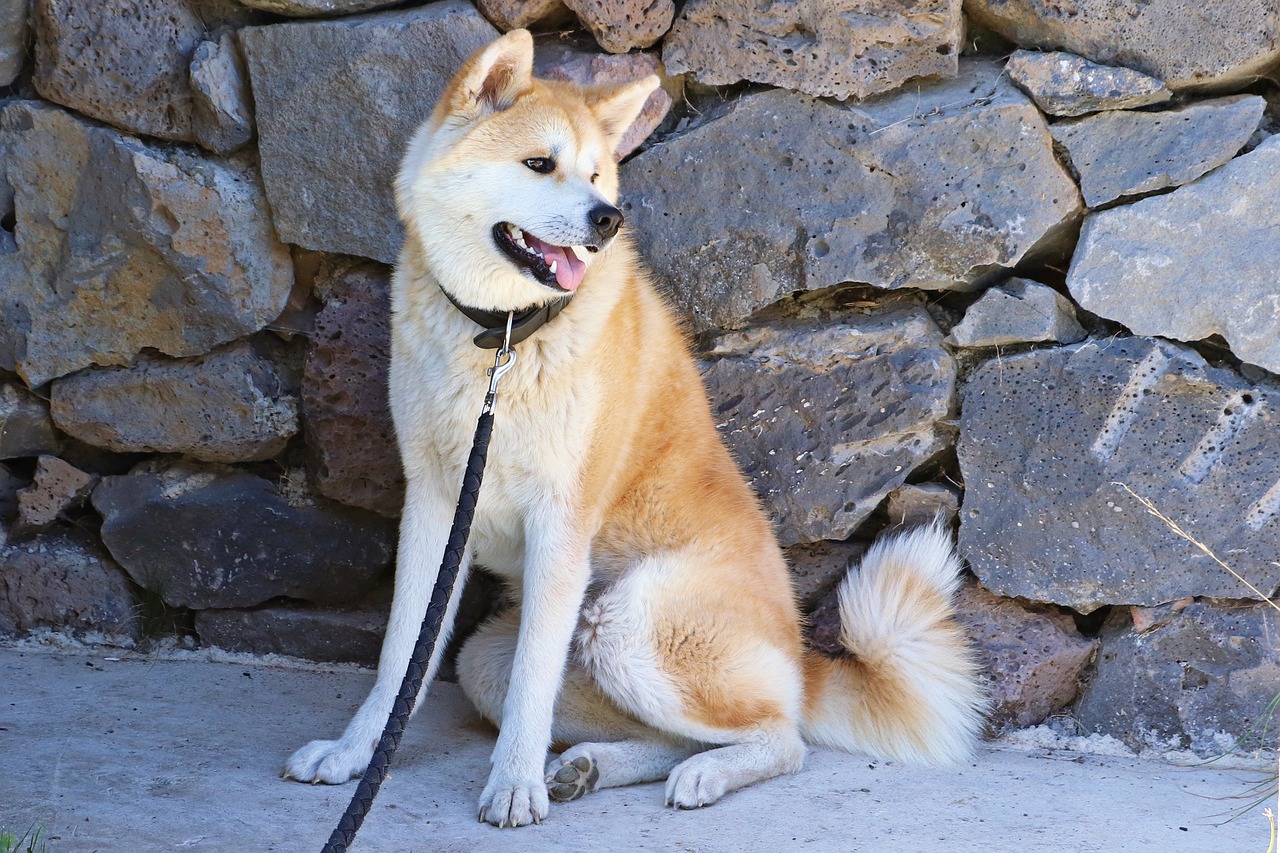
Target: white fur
<point>894,617</point>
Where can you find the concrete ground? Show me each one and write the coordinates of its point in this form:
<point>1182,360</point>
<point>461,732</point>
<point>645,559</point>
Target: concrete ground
<point>114,752</point>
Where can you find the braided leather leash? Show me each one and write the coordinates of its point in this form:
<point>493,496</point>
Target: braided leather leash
<point>362,801</point>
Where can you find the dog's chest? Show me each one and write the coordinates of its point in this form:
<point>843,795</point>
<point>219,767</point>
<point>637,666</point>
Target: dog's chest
<point>540,434</point>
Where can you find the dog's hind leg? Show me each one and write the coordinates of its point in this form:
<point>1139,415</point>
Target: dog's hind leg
<point>703,664</point>
<point>611,748</point>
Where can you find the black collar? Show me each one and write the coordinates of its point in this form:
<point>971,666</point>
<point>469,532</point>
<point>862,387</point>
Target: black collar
<point>494,323</point>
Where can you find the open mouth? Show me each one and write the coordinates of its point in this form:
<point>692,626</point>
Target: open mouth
<point>558,267</point>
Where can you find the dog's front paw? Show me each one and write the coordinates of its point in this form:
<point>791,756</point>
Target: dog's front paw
<point>507,802</point>
<point>330,762</point>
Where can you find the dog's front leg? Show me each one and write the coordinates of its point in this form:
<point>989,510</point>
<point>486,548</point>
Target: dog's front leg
<point>424,529</point>
<point>556,572</point>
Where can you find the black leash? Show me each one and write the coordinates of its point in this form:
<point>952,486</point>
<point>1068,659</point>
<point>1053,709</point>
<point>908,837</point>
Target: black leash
<point>362,801</point>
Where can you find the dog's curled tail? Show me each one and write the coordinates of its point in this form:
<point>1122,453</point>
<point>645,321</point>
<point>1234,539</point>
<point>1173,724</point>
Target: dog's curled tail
<point>909,687</point>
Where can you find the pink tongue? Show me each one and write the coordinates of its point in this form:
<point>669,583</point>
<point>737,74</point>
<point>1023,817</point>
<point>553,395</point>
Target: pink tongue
<point>569,269</point>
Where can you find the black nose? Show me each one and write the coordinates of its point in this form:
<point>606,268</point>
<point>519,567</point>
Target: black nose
<point>606,219</point>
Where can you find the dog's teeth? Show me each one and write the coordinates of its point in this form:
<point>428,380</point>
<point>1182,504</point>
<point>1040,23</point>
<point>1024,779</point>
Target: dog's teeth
<point>521,243</point>
<point>515,232</point>
<point>553,267</point>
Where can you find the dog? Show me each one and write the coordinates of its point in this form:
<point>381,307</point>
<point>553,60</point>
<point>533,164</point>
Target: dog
<point>654,632</point>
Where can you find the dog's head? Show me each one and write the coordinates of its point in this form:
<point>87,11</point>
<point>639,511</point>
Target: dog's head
<point>511,186</point>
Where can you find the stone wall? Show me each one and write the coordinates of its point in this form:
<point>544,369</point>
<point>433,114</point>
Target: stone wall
<point>989,259</point>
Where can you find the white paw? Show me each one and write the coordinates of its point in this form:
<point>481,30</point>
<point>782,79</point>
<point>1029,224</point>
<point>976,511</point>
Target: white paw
<point>331,762</point>
<point>696,782</point>
<point>572,774</point>
<point>513,803</point>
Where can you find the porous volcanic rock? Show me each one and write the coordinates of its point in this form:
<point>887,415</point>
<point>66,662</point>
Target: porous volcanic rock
<point>1018,311</point>
<point>344,390</point>
<point>938,189</point>
<point>222,112</point>
<point>335,103</point>
<point>62,579</point>
<point>509,15</point>
<point>562,61</point>
<point>825,49</point>
<point>58,486</point>
<point>1046,437</point>
<point>818,566</point>
<point>1198,261</point>
<point>312,633</point>
<point>13,38</point>
<point>826,421</point>
<point>1120,153</point>
<point>124,62</point>
<point>317,8</point>
<point>1185,43</point>
<point>25,426</point>
<point>123,246</point>
<point>623,25</point>
<point>206,536</point>
<point>917,505</point>
<point>1033,657</point>
<point>229,406</point>
<point>1201,679</point>
<point>1063,84</point>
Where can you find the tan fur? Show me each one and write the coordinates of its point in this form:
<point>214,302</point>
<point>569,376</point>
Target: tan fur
<point>609,502</point>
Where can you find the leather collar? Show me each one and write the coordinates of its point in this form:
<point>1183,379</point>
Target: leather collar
<point>494,323</point>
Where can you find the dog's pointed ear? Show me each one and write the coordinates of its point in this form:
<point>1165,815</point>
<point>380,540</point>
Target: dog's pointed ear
<point>617,106</point>
<point>493,78</point>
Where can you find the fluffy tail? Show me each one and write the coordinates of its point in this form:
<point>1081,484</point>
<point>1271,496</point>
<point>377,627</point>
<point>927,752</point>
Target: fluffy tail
<point>909,689</point>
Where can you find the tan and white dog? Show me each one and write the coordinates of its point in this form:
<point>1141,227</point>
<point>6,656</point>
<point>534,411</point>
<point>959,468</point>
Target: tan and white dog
<point>656,633</point>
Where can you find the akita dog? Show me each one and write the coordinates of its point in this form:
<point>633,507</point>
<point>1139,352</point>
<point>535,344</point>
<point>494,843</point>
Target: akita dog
<point>655,633</point>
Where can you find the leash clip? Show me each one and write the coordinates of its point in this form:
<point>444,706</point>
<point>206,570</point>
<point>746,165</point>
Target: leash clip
<point>503,360</point>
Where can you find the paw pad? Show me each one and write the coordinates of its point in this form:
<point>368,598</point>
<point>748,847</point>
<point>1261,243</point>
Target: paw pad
<point>573,779</point>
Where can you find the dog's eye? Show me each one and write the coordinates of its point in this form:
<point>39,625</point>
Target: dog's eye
<point>541,165</point>
<point>594,176</point>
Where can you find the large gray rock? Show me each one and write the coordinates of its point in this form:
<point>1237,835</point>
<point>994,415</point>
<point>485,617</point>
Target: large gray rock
<point>1119,154</point>
<point>1063,84</point>
<point>64,580</point>
<point>201,536</point>
<point>1201,679</point>
<point>344,390</point>
<point>120,61</point>
<point>1018,311</point>
<point>312,633</point>
<point>623,25</point>
<point>1045,437</point>
<point>229,406</point>
<point>1199,261</point>
<point>13,38</point>
<point>814,46</point>
<point>936,189</point>
<point>827,421</point>
<point>1033,657</point>
<point>336,102</point>
<point>222,114</point>
<point>123,246</point>
<point>1182,42</point>
<point>25,426</point>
